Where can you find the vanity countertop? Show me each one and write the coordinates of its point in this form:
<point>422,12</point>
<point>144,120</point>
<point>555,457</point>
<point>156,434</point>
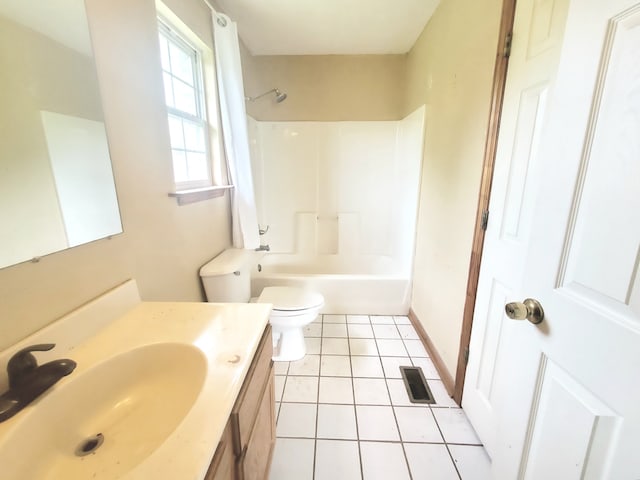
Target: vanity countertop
<point>226,334</point>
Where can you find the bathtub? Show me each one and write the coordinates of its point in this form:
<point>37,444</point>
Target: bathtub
<point>350,284</point>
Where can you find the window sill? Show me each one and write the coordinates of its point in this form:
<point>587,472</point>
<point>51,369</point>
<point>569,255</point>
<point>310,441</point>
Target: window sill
<point>185,197</point>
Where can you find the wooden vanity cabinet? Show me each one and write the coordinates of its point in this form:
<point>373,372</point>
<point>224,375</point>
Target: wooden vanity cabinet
<point>255,461</point>
<point>246,446</point>
<point>223,465</point>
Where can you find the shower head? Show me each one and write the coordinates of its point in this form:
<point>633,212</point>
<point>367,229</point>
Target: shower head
<point>280,96</point>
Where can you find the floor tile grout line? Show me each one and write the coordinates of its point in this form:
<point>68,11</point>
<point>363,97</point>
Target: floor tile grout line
<point>413,406</point>
<point>370,356</point>
<point>284,386</point>
<point>315,440</point>
<point>409,442</point>
<point>446,444</point>
<point>395,417</point>
<point>405,345</point>
<point>355,410</point>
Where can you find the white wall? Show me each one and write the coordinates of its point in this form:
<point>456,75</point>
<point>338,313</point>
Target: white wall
<point>339,187</point>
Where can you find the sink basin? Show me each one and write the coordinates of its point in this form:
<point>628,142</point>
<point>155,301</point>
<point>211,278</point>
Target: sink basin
<point>104,421</point>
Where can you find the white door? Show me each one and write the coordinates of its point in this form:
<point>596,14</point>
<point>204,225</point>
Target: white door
<point>564,395</point>
<point>538,30</point>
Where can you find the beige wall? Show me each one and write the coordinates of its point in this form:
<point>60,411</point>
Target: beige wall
<point>450,69</point>
<point>163,245</point>
<point>326,87</point>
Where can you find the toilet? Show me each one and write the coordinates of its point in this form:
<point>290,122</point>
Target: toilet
<point>227,278</point>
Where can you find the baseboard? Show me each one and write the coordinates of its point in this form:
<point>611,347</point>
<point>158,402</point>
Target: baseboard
<point>446,377</point>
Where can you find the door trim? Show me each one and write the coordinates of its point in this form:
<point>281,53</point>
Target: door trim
<point>491,143</point>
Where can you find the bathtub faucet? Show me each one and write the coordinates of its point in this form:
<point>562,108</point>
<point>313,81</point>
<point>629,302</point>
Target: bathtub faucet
<point>263,248</point>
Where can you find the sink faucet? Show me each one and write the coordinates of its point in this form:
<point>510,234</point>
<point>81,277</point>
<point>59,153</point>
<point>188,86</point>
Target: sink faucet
<point>264,248</point>
<point>27,380</point>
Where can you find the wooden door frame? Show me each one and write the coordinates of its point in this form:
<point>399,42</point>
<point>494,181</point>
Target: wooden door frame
<point>497,96</point>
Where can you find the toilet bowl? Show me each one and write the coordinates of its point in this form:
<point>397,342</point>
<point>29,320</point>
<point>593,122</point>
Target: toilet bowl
<point>293,309</point>
<point>227,278</point>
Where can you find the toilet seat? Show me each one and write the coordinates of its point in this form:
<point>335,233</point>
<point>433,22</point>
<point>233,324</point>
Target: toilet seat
<point>290,301</point>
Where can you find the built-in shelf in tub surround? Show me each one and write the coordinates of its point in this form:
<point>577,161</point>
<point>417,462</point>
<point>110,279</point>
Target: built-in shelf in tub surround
<point>226,336</point>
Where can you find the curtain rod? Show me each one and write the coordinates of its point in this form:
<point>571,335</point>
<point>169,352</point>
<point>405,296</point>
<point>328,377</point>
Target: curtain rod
<point>210,6</point>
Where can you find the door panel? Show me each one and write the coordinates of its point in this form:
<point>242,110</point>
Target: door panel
<point>538,29</point>
<point>492,334</point>
<point>605,260</point>
<point>518,202</point>
<point>552,452</point>
<point>547,26</point>
<point>564,394</point>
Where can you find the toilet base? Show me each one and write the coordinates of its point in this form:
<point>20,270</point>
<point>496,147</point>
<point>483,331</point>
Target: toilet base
<point>288,345</point>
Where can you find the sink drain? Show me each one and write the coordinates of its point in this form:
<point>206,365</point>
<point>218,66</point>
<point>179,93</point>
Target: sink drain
<point>89,445</point>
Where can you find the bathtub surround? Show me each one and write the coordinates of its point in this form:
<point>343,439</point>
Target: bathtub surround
<point>339,188</point>
<point>244,224</point>
<point>340,199</point>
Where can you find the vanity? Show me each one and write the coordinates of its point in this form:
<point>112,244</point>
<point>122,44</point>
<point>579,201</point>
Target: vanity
<point>161,390</point>
<point>245,449</point>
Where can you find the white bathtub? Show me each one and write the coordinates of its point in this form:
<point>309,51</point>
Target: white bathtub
<point>355,285</point>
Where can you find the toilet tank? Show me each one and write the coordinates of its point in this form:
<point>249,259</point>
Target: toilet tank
<point>227,278</point>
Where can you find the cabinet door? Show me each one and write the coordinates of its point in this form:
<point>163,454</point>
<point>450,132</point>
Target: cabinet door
<point>223,463</point>
<point>249,400</point>
<point>257,458</point>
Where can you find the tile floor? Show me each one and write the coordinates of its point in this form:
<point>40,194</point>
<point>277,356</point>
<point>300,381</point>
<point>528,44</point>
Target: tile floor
<point>343,412</point>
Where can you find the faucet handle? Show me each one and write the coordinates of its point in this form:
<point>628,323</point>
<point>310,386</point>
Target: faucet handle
<point>24,362</point>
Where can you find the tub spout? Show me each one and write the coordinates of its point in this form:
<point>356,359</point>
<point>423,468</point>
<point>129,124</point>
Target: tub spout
<point>263,248</point>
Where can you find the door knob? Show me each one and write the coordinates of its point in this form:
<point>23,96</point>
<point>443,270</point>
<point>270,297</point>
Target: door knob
<point>529,309</point>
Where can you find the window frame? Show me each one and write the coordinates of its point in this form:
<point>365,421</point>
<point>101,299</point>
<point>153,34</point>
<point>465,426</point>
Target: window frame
<point>175,37</point>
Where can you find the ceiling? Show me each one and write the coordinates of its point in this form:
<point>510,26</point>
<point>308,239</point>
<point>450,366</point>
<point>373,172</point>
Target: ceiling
<point>64,21</point>
<point>321,27</point>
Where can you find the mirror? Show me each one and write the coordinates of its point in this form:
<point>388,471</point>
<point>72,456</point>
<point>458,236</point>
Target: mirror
<point>56,183</point>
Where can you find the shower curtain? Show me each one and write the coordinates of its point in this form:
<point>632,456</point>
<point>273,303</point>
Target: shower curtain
<point>234,129</point>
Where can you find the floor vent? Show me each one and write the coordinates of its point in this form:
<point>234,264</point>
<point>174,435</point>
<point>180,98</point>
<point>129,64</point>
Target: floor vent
<point>416,385</point>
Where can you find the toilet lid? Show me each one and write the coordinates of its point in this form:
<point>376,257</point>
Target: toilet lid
<point>290,298</point>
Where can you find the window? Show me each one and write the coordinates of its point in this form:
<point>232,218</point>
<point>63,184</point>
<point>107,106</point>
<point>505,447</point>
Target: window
<point>182,70</point>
